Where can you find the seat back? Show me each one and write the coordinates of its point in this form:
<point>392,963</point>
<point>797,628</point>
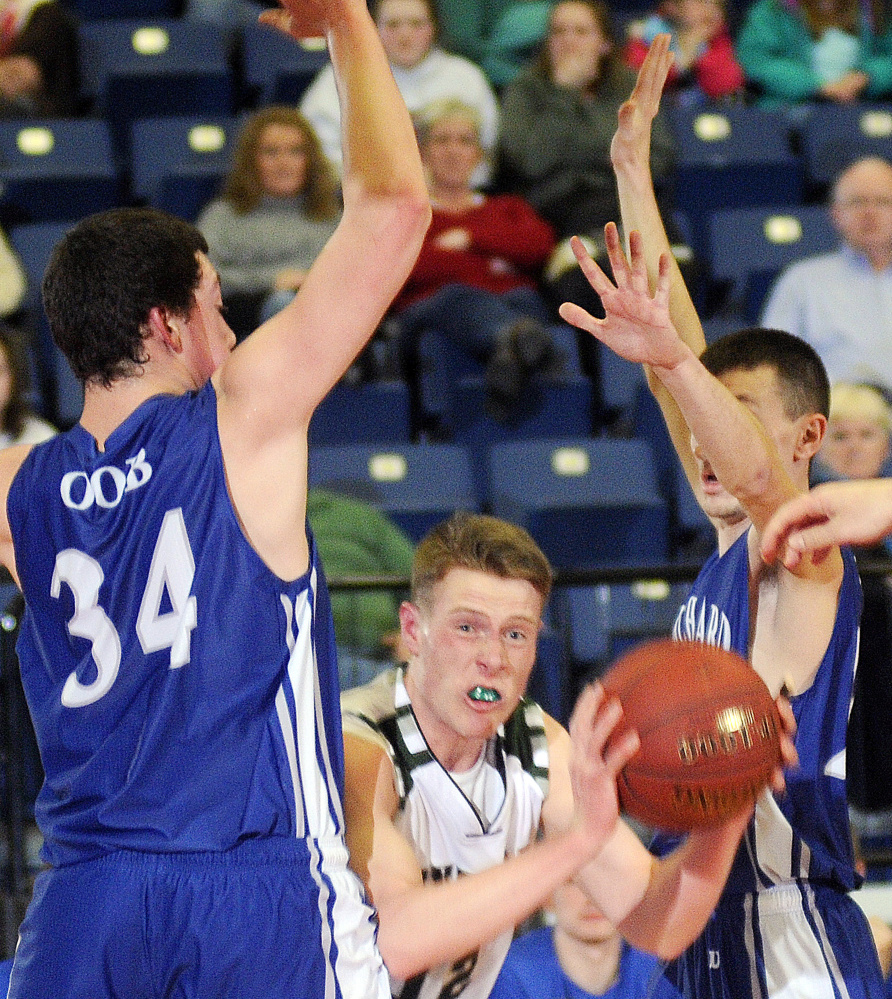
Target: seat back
<point>417,485</point>
<point>178,164</point>
<point>276,70</point>
<point>750,246</point>
<point>834,135</point>
<point>732,158</point>
<point>588,502</point>
<point>57,169</point>
<point>152,68</point>
<point>61,393</point>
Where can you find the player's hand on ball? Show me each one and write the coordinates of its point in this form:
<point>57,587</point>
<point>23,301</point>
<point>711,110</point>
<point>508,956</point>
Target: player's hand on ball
<point>595,762</point>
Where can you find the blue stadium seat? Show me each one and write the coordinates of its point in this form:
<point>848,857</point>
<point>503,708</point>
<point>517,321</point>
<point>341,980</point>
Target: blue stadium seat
<point>370,413</point>
<point>95,10</point>
<point>749,246</point>
<point>604,621</point>
<point>60,390</point>
<point>152,68</point>
<point>735,157</point>
<point>276,70</point>
<point>833,135</point>
<point>418,485</point>
<point>56,169</point>
<point>588,502</point>
<point>620,381</point>
<point>179,163</point>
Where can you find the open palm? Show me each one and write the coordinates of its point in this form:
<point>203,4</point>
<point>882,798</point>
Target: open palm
<point>637,324</point>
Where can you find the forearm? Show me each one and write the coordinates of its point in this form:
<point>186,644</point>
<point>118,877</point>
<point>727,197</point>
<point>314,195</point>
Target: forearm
<point>380,150</point>
<point>683,891</point>
<point>727,433</point>
<point>640,211</point>
<point>441,922</point>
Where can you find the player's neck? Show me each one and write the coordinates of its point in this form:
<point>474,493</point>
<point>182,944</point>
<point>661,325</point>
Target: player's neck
<point>592,966</point>
<point>107,407</point>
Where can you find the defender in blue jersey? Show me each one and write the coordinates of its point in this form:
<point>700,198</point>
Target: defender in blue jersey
<point>747,415</point>
<point>177,651</point>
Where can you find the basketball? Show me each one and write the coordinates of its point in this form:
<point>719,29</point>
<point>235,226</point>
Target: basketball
<point>709,728</point>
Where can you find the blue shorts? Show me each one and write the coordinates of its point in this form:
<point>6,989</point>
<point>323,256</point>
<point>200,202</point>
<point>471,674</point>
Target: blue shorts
<point>268,919</point>
<point>796,941</point>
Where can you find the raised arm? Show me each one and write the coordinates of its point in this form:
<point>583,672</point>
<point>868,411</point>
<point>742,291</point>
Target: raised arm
<point>630,155</point>
<point>639,327</point>
<point>734,440</point>
<point>274,380</point>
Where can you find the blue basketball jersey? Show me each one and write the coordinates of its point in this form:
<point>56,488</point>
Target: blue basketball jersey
<point>785,925</point>
<point>184,697</point>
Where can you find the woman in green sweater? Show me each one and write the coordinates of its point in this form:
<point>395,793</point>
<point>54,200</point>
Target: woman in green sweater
<point>796,51</point>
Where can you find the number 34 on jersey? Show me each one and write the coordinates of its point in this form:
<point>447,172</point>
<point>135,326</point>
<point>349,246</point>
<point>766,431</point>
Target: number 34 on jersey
<point>172,571</point>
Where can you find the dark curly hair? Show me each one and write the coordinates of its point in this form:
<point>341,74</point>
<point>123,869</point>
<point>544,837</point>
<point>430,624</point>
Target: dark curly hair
<point>106,275</point>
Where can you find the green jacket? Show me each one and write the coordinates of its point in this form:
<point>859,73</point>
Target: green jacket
<point>356,539</point>
<point>774,48</point>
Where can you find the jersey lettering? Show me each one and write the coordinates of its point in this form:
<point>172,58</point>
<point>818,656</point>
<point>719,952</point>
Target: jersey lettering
<point>458,977</point>
<point>172,571</point>
<point>84,577</point>
<point>106,486</point>
<point>697,623</point>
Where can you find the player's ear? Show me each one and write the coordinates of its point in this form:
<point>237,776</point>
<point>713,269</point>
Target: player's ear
<point>811,436</point>
<point>410,625</point>
<point>166,328</point>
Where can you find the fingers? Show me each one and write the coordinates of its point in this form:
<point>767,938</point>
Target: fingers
<point>653,73</point>
<point>595,730</point>
<point>590,268</point>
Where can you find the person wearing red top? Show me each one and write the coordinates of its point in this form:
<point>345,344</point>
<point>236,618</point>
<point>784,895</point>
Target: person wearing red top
<point>476,280</point>
<point>705,65</point>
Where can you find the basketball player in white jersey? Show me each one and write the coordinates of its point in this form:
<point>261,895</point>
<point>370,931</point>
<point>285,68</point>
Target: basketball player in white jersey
<point>452,775</point>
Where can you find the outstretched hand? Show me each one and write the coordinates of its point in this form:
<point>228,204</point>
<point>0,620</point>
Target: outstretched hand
<point>631,141</point>
<point>834,513</point>
<point>304,18</point>
<point>636,324</point>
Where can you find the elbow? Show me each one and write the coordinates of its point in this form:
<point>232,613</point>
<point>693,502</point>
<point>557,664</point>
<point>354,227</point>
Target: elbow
<point>397,954</point>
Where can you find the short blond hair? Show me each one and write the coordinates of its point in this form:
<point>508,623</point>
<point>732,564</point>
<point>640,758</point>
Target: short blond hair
<point>852,401</point>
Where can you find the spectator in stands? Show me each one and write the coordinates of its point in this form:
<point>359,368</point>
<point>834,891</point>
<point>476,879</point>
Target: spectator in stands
<point>558,120</point>
<point>424,72</point>
<point>582,955</point>
<point>18,423</point>
<point>13,281</point>
<point>841,302</point>
<point>476,278</point>
<point>857,446</point>
<point>278,207</point>
<point>231,15</point>
<point>705,66</point>
<point>39,74</point>
<point>797,51</point>
<point>356,538</point>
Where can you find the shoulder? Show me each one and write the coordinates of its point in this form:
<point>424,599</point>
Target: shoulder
<point>363,709</point>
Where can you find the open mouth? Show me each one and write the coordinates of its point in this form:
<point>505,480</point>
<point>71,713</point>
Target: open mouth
<point>485,694</point>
